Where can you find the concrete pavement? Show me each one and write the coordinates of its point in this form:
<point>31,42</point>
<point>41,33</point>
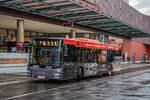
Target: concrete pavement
<point>129,86</point>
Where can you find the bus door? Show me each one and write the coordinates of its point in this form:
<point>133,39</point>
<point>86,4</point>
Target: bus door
<point>90,65</point>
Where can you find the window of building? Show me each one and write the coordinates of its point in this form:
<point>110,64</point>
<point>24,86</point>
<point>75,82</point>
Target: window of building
<point>12,36</point>
<point>46,34</point>
<point>54,35</point>
<point>33,34</point>
<point>3,36</point>
<point>40,34</point>
<point>63,35</point>
<point>92,36</point>
<point>86,36</point>
<point>12,40</point>
<point>80,35</point>
<point>3,40</point>
<point>27,36</point>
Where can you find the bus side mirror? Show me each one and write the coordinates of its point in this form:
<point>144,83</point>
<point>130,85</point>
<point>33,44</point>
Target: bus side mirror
<point>65,50</point>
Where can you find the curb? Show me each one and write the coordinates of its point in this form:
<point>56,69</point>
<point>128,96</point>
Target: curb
<point>12,70</point>
<point>115,72</point>
<point>129,70</point>
<point>13,65</point>
<point>16,74</point>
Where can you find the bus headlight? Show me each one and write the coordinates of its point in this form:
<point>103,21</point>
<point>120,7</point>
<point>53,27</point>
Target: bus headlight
<point>57,74</point>
<point>58,70</point>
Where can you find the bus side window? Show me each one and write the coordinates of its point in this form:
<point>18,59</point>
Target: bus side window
<point>99,58</point>
<point>69,54</point>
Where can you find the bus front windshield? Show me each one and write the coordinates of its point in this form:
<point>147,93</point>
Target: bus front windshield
<point>45,56</point>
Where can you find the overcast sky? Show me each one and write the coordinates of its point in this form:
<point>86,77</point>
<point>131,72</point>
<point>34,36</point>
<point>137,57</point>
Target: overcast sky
<point>142,5</point>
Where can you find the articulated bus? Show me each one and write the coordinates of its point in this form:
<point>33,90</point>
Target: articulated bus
<point>64,59</point>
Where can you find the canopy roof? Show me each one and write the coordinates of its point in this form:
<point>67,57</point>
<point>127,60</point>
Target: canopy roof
<point>76,11</point>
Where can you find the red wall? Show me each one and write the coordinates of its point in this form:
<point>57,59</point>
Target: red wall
<point>136,47</point>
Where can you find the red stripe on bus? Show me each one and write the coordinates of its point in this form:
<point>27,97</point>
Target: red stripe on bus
<point>91,45</point>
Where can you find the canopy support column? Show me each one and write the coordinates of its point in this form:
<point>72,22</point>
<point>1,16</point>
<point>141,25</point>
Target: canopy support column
<point>20,34</point>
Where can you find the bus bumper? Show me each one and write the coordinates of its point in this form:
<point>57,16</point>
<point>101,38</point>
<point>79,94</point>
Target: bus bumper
<point>45,73</point>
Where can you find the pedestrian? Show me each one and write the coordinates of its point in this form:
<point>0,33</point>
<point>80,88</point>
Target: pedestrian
<point>128,59</point>
<point>53,58</point>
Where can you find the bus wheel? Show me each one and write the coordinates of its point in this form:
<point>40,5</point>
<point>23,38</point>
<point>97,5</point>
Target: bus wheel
<point>109,70</point>
<point>79,73</point>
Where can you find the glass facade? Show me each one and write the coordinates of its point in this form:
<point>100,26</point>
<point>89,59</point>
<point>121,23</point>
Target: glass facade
<point>8,38</point>
<point>3,40</point>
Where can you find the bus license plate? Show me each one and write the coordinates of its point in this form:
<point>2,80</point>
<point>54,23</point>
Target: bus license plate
<point>41,77</point>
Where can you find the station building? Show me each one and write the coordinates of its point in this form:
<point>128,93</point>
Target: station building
<point>102,20</point>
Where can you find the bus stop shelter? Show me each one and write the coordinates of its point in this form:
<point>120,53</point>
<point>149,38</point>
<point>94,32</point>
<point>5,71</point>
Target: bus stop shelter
<point>78,12</point>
